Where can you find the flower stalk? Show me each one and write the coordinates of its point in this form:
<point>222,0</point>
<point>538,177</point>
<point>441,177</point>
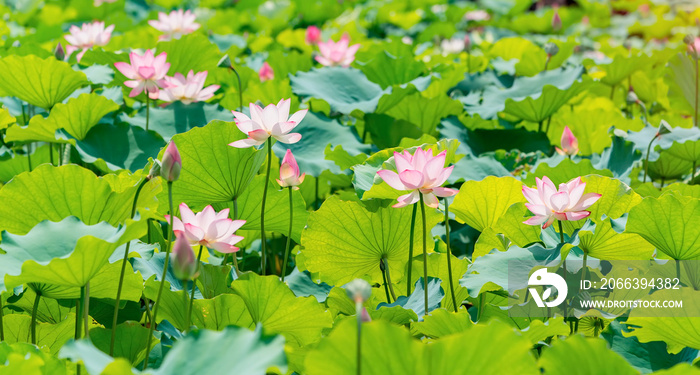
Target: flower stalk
<point>263,269</point>
<point>425,254</point>
<point>410,250</point>
<point>35,308</point>
<point>194,283</point>
<point>289,235</point>
<point>449,254</point>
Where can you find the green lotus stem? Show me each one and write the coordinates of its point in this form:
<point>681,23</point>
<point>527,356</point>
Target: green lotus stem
<point>561,232</point>
<point>147,305</point>
<point>233,255</point>
<point>546,63</point>
<point>289,235</point>
<point>546,129</point>
<point>78,323</point>
<point>388,279</point>
<point>692,173</point>
<point>29,156</point>
<point>646,159</point>
<point>86,309</point>
<point>115,316</point>
<point>194,282</point>
<point>612,92</point>
<point>482,304</point>
<point>425,253</point>
<point>148,110</point>
<point>240,89</point>
<point>469,62</point>
<point>386,283</point>
<point>162,279</point>
<point>37,298</point>
<point>583,267</point>
<point>678,269</point>
<point>410,250</point>
<point>51,153</point>
<point>2,325</point>
<point>449,254</point>
<point>358,315</point>
<point>66,154</point>
<point>262,209</point>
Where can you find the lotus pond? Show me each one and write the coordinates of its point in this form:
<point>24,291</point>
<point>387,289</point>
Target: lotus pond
<point>349,187</point>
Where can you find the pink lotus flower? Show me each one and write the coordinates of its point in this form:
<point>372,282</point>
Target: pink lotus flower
<point>145,73</point>
<point>266,73</point>
<point>183,260</point>
<point>569,143</point>
<point>313,35</point>
<point>208,228</point>
<point>289,172</point>
<point>556,20</point>
<point>337,54</point>
<point>175,24</point>
<point>273,121</point>
<point>188,89</point>
<point>87,36</point>
<point>548,204</point>
<point>477,15</point>
<point>694,48</point>
<point>420,173</point>
<point>171,165</point>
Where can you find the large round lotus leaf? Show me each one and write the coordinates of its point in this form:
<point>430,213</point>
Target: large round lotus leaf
<point>54,193</point>
<point>346,240</point>
<point>75,254</point>
<point>470,207</point>
<point>39,82</point>
<point>592,357</point>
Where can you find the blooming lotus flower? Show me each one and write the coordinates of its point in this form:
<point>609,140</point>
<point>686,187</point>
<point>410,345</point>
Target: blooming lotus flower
<point>175,24</point>
<point>188,89</point>
<point>313,35</point>
<point>556,21</point>
<point>289,172</point>
<point>183,260</point>
<point>273,121</point>
<point>208,228</point>
<point>420,173</point>
<point>97,3</point>
<point>549,204</point>
<point>694,47</point>
<point>337,54</point>
<point>569,143</point>
<point>477,15</point>
<point>87,36</point>
<point>450,46</point>
<point>266,73</point>
<point>145,73</point>
<point>171,165</point>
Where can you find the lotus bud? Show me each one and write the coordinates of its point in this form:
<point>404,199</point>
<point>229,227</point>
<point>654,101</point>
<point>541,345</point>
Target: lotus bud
<point>59,52</point>
<point>225,62</point>
<point>569,143</point>
<point>171,165</point>
<point>155,170</point>
<point>313,35</point>
<point>632,98</point>
<point>688,39</point>
<point>183,259</point>
<point>364,316</point>
<point>551,49</point>
<point>289,172</point>
<point>359,290</point>
<point>266,73</point>
<point>664,128</point>
<point>467,42</point>
<point>556,21</point>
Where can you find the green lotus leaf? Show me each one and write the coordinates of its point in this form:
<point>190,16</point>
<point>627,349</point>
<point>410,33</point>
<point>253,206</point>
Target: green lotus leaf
<point>214,314</point>
<point>671,223</point>
<point>605,243</point>
<point>6,119</point>
<point>386,349</point>
<point>12,163</point>
<point>622,67</point>
<point>181,56</point>
<point>272,303</point>
<point>437,267</point>
<point>538,109</point>
<point>17,358</point>
<point>346,240</point>
<point>48,336</point>
<point>415,301</point>
<point>212,171</point>
<point>593,357</point>
<point>54,193</point>
<point>538,330</point>
<point>442,322</point>
<point>564,171</point>
<point>688,150</point>
<point>644,357</point>
<point>40,82</point>
<point>669,167</point>
<point>130,341</point>
<point>490,240</point>
<point>616,198</point>
<point>76,254</point>
<point>512,226</point>
<point>479,141</point>
<point>96,361</point>
<point>388,70</point>
<point>683,189</point>
<point>471,208</point>
<point>483,348</point>
<point>76,117</point>
<point>345,89</point>
<point>676,331</point>
<point>682,73</point>
<point>425,113</point>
